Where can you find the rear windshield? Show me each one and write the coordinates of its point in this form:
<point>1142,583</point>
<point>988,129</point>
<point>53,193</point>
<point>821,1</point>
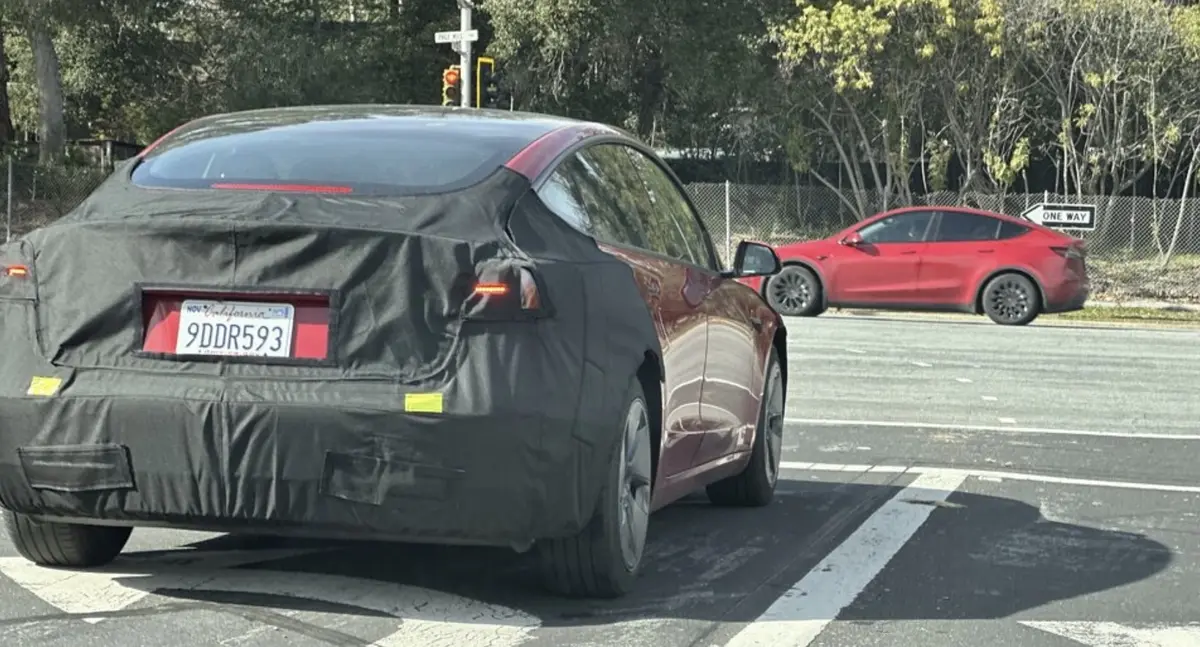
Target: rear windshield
<point>369,159</point>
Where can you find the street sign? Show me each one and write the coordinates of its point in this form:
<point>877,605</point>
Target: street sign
<point>1063,216</point>
<point>443,37</point>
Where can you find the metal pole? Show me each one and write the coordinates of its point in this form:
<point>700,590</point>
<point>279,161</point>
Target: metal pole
<point>728,228</point>
<point>464,61</point>
<point>8,210</point>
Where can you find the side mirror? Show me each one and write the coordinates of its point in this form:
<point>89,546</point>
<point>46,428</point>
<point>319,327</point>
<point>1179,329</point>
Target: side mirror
<point>852,239</point>
<point>754,259</point>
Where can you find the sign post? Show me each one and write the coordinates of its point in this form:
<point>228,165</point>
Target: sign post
<point>1062,216</point>
<point>461,41</point>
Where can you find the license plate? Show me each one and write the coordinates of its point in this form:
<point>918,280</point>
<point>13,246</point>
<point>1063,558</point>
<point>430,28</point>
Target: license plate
<point>236,328</point>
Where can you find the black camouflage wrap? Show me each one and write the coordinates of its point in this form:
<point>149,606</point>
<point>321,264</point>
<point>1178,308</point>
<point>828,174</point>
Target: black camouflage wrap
<point>532,405</point>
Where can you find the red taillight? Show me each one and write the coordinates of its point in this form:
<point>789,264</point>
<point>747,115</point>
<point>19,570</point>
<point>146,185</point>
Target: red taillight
<point>1069,252</point>
<point>516,295</point>
<point>490,288</point>
<point>530,297</point>
<point>16,271</point>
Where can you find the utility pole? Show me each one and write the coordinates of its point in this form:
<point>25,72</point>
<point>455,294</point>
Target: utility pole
<point>464,52</point>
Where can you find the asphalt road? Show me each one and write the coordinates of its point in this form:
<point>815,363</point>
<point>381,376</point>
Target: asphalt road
<point>947,483</point>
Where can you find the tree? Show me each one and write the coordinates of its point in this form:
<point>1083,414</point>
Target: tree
<point>40,23</point>
<point>861,70</point>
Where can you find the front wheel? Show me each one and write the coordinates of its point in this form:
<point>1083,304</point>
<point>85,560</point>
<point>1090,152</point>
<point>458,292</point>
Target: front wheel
<point>1011,300</point>
<point>603,561</point>
<point>795,292</point>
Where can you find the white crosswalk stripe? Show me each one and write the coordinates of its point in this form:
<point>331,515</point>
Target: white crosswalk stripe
<point>709,584</point>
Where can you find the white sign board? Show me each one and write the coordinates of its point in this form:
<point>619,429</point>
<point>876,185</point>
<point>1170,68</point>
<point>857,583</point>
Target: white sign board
<point>1063,216</point>
<point>443,37</point>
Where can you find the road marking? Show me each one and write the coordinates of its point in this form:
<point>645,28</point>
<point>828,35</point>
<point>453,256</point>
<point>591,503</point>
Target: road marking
<point>424,617</point>
<point>1008,421</point>
<point>856,351</point>
<point>109,589</point>
<point>825,422</point>
<point>1111,634</point>
<point>989,398</point>
<point>991,475</point>
<point>922,364</point>
<point>963,380</point>
<point>804,610</point>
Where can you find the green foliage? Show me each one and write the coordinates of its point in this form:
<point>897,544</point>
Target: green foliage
<point>867,96</point>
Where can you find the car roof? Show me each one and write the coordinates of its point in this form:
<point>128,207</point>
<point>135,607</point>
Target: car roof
<point>977,212</point>
<point>952,209</point>
<point>363,118</point>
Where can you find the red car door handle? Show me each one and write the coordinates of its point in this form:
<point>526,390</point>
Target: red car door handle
<point>986,251</point>
<point>906,253</point>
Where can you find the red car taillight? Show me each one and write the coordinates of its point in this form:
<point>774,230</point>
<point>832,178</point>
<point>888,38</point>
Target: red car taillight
<point>1071,252</point>
<point>516,295</point>
<point>16,271</point>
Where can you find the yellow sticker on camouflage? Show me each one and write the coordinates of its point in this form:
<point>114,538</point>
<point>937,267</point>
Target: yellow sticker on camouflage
<point>423,402</point>
<point>44,386</point>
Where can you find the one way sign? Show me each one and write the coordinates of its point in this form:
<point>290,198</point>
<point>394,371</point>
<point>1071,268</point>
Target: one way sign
<point>1063,216</point>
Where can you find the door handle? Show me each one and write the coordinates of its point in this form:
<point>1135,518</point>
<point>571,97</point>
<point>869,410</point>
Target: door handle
<point>907,253</point>
<point>986,251</point>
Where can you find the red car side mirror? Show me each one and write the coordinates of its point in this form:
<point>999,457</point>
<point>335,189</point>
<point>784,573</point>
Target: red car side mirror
<point>851,240</point>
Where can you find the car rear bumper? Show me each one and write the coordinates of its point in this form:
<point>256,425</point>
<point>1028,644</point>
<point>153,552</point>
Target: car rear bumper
<point>305,467</point>
<point>1069,297</point>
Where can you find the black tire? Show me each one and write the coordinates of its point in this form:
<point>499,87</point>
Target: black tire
<point>1010,299</point>
<point>755,485</point>
<point>65,544</point>
<point>795,292</point>
<point>593,564</point>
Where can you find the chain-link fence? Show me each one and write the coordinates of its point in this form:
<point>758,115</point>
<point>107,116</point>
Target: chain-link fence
<point>37,195</point>
<point>1141,248</point>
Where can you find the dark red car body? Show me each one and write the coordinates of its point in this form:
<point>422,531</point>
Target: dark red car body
<point>707,328</point>
<point>714,356</point>
<point>941,270</point>
<point>546,283</point>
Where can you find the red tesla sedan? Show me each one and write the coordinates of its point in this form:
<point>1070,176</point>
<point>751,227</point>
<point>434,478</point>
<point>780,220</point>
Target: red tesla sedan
<point>385,322</point>
<point>934,258</point>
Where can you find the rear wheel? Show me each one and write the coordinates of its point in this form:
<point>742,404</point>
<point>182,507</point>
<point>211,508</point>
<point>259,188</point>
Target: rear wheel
<point>72,545</point>
<point>755,486</point>
<point>603,561</point>
<point>795,292</point>
<point>1010,299</point>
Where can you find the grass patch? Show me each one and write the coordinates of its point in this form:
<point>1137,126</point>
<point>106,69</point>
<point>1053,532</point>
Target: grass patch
<point>1130,314</point>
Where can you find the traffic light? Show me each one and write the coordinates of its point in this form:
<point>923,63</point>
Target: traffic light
<point>487,83</point>
<point>451,90</point>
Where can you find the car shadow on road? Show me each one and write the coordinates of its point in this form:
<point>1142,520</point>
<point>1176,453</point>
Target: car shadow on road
<point>980,557</point>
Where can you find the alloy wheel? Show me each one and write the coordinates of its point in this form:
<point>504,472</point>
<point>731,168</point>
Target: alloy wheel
<point>635,478</point>
<point>791,291</point>
<point>773,423</point>
<point>1010,300</point>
